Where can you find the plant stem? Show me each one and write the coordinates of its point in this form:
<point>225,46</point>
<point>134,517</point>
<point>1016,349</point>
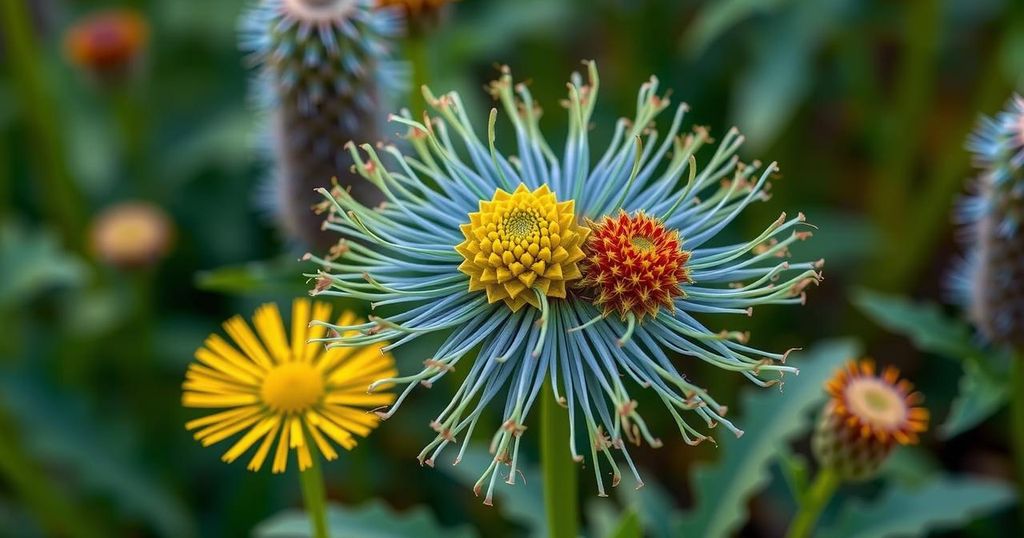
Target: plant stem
<point>557,467</point>
<point>315,498</point>
<point>59,196</point>
<point>814,502</point>
<point>418,57</point>
<point>1017,419</point>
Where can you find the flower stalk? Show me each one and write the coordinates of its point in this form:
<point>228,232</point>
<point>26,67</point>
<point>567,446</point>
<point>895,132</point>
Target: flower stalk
<point>1017,419</point>
<point>560,480</point>
<point>315,498</point>
<point>814,502</point>
<point>62,202</point>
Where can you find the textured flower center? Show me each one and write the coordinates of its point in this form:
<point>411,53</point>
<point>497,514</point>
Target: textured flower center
<point>642,243</point>
<point>876,402</point>
<point>520,242</point>
<point>292,387</point>
<point>521,227</point>
<point>634,265</point>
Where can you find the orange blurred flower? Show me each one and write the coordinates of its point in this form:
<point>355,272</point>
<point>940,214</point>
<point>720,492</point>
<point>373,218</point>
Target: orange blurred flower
<point>107,42</point>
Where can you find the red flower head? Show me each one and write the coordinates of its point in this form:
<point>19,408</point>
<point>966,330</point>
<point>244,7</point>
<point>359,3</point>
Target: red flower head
<point>108,42</point>
<point>634,265</point>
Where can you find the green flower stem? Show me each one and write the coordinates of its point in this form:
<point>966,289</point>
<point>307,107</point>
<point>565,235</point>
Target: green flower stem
<point>560,481</point>
<point>60,198</point>
<point>419,58</point>
<point>129,110</point>
<point>813,503</point>
<point>902,134</point>
<point>315,498</point>
<point>1017,419</point>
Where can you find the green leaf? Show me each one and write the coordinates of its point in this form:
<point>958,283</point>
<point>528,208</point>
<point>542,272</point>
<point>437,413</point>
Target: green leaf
<point>56,433</point>
<point>32,261</point>
<point>655,507</point>
<point>923,323</point>
<point>981,394</point>
<point>628,527</point>
<point>522,502</point>
<point>910,466</point>
<point>795,471</point>
<point>770,419</point>
<point>268,276</point>
<point>778,79</point>
<point>719,17</point>
<point>371,520</point>
<point>947,502</point>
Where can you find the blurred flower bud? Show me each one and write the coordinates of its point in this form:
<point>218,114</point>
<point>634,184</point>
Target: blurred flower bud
<point>866,416</point>
<point>992,284</point>
<point>324,71</point>
<point>131,235</point>
<point>108,44</point>
<point>421,16</point>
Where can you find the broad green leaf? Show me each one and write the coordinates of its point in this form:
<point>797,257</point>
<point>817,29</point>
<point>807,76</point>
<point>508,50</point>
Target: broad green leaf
<point>842,239</point>
<point>923,323</point>
<point>269,276</point>
<point>32,261</point>
<point>795,471</point>
<point>602,517</point>
<point>655,507</point>
<point>980,395</point>
<point>779,77</point>
<point>770,420</point>
<point>522,502</point>
<point>719,17</point>
<point>628,527</point>
<point>371,520</point>
<point>945,503</point>
<point>910,466</point>
<point>58,434</point>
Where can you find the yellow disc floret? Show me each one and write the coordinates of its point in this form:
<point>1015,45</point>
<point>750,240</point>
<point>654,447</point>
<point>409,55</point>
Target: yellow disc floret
<point>521,242</point>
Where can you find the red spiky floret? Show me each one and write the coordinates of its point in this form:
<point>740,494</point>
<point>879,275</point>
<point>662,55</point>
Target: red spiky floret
<point>633,265</point>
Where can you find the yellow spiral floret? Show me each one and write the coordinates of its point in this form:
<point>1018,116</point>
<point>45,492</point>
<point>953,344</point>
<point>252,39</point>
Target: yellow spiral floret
<point>521,242</point>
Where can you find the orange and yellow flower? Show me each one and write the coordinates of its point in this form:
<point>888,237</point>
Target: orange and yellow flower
<point>107,42</point>
<point>868,414</point>
<point>634,265</point>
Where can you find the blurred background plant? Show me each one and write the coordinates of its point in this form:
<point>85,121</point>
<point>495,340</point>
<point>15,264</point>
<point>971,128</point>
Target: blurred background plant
<point>131,225</point>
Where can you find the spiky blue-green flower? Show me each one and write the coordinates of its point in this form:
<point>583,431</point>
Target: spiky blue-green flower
<point>324,71</point>
<point>992,283</point>
<point>489,249</point>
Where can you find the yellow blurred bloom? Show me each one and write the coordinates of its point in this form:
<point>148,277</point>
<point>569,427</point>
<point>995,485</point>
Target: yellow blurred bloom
<point>294,394</point>
<point>131,234</point>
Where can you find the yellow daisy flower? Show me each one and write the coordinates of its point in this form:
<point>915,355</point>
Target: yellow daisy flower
<point>292,393</point>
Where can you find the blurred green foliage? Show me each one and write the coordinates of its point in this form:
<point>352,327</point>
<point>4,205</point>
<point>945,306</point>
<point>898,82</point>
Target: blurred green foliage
<point>864,104</point>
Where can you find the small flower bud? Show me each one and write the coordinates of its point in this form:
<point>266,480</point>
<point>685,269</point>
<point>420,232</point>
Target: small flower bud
<point>131,235</point>
<point>867,415</point>
<point>421,16</point>
<point>107,45</point>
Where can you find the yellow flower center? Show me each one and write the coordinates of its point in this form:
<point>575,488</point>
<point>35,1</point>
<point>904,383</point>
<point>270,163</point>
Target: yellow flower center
<point>876,402</point>
<point>520,242</point>
<point>641,243</point>
<point>292,387</point>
